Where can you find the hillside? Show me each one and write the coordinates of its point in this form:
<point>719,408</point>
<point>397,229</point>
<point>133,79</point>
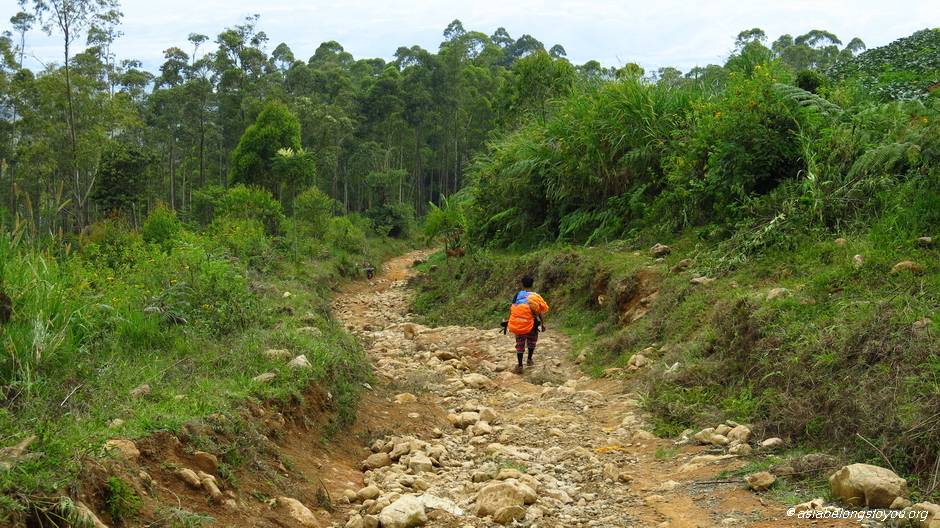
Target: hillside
<point>213,311</point>
<point>764,253</point>
<point>904,69</point>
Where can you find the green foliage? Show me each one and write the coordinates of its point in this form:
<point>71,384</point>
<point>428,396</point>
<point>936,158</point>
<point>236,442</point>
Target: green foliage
<point>252,203</point>
<point>245,238</point>
<point>344,234</point>
<point>537,80</point>
<point>315,208</point>
<point>396,220</point>
<point>121,500</point>
<point>206,201</point>
<point>449,220</point>
<point>122,178</point>
<point>810,80</point>
<point>253,160</point>
<point>903,69</point>
<point>111,243</point>
<point>161,227</point>
<point>293,170</point>
<point>741,144</point>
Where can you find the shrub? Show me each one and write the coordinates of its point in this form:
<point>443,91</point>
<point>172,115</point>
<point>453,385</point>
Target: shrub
<point>111,243</point>
<point>161,227</point>
<point>252,203</point>
<point>810,80</point>
<point>205,202</point>
<point>253,158</point>
<point>741,144</point>
<point>394,220</point>
<point>345,235</point>
<point>314,208</point>
<point>197,288</point>
<point>245,239</point>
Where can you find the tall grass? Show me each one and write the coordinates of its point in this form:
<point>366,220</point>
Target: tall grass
<point>183,310</point>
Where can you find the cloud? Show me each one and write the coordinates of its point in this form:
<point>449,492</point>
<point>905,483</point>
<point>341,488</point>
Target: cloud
<point>659,33</point>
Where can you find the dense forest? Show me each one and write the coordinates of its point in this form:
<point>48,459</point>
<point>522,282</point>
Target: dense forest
<point>96,134</point>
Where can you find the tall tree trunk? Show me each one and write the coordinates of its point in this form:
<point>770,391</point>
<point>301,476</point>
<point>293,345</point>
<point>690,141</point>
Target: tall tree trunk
<point>172,174</point>
<point>202,153</point>
<point>73,138</point>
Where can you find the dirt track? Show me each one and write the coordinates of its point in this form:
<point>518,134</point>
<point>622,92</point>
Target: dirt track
<point>580,443</point>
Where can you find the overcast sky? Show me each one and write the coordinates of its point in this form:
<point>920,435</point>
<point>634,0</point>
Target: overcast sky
<point>653,33</point>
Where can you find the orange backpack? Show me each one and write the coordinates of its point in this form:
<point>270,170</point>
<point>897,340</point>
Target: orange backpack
<point>527,308</point>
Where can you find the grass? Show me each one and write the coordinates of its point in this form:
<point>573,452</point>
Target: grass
<point>191,321</point>
<point>665,453</point>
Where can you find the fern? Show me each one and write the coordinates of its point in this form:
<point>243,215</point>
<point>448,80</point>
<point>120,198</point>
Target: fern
<point>808,99</point>
<point>883,159</point>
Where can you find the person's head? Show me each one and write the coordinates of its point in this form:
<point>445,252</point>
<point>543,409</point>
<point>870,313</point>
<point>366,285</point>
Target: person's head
<point>527,281</point>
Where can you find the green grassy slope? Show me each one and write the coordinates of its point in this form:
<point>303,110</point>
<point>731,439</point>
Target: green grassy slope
<point>188,314</point>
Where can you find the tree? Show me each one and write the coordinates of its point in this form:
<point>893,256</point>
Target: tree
<point>253,159</point>
<point>749,35</point>
<point>292,170</point>
<point>501,38</point>
<point>558,52</point>
<point>537,79</point>
<point>71,18</point>
<point>631,70</point>
<point>22,22</point>
<point>122,178</point>
<point>454,30</point>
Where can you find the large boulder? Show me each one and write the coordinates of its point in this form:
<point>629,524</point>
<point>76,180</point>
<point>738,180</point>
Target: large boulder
<point>926,515</point>
<point>297,511</point>
<point>739,433</point>
<point>867,485</point>
<point>476,381</point>
<point>124,448</point>
<point>406,512</point>
<point>420,463</point>
<point>497,496</point>
<point>376,461</point>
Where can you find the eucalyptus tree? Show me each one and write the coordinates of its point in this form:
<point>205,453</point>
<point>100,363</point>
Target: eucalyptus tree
<point>70,19</point>
<point>14,53</point>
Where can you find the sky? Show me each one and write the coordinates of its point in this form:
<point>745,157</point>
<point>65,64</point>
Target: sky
<point>652,33</point>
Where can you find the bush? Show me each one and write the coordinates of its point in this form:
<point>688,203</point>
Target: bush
<point>252,203</point>
<point>345,235</point>
<point>394,220</point>
<point>161,227</point>
<point>741,144</point>
<point>111,243</point>
<point>253,158</point>
<point>245,239</point>
<point>314,208</point>
<point>197,288</point>
<point>810,80</point>
<point>205,202</point>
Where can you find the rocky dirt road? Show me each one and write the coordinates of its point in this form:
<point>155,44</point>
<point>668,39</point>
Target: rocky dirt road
<point>551,448</point>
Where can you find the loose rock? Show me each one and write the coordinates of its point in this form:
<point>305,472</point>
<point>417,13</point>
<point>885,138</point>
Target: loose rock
<point>297,511</point>
<point>760,481</point>
<point>867,485</point>
<point>406,512</point>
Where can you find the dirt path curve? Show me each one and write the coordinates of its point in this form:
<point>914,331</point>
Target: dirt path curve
<point>453,432</point>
